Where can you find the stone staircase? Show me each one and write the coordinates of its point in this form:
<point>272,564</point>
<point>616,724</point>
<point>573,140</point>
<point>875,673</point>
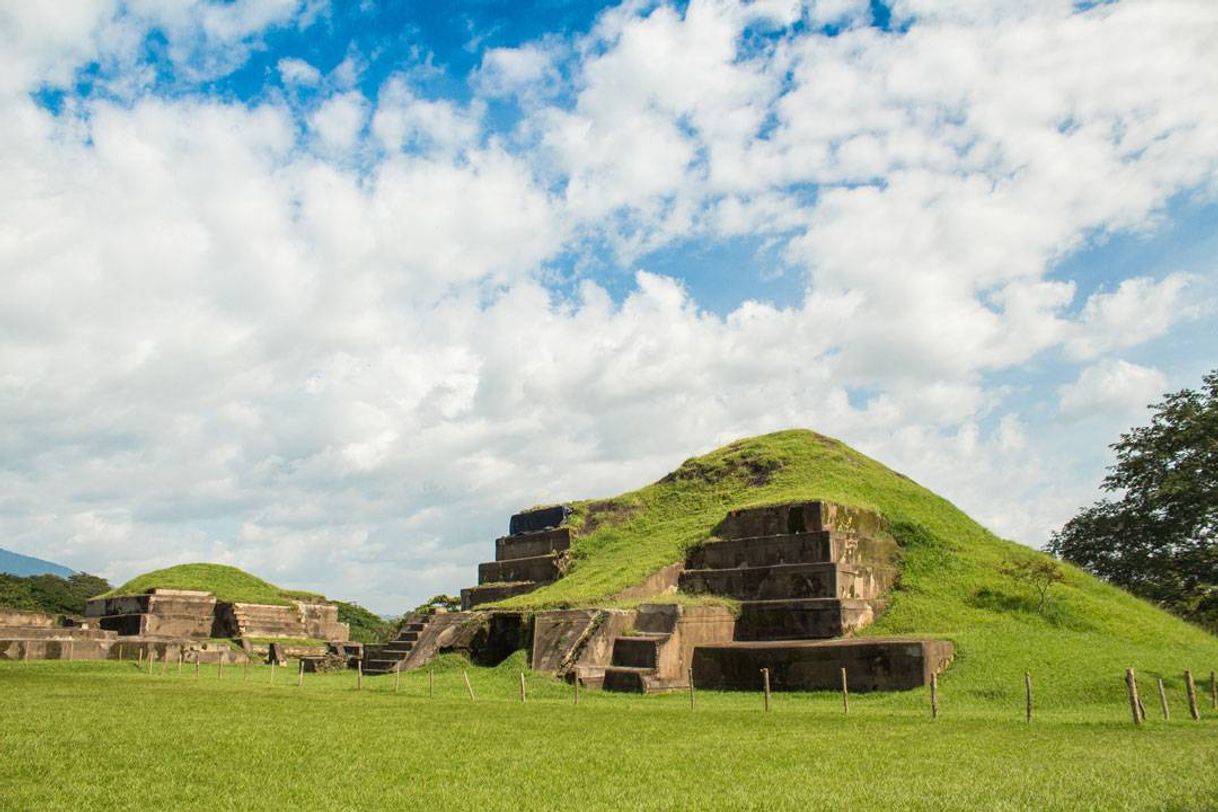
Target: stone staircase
<point>645,660</point>
<point>389,657</point>
<point>524,560</point>
<point>809,570</point>
<point>261,620</point>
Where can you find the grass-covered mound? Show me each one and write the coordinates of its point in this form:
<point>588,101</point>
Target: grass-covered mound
<point>228,584</point>
<point>952,585</point>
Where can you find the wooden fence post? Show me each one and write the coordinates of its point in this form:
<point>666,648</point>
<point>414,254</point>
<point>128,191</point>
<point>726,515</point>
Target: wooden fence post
<point>522,691</point>
<point>300,674</point>
<point>139,659</point>
<point>575,682</point>
<point>691,687</point>
<point>468,687</point>
<point>397,678</point>
<point>1192,695</point>
<point>1027,691</point>
<point>1163,700</point>
<point>121,652</point>
<point>845,693</point>
<point>359,675</point>
<point>765,685</point>
<point>197,658</point>
<point>1131,686</point>
<point>934,696</point>
<point>70,650</point>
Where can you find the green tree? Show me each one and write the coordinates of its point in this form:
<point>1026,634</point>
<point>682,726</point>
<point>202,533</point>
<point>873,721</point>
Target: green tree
<point>1158,536</point>
<point>1038,572</point>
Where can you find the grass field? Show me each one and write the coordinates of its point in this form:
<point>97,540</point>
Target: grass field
<point>104,736</point>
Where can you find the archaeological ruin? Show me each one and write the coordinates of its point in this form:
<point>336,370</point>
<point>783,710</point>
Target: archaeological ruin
<point>799,580</point>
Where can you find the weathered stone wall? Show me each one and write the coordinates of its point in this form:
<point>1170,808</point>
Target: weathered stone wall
<point>880,664</point>
<point>159,613</point>
<point>20,617</point>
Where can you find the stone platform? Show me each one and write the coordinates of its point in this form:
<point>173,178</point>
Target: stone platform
<point>878,664</point>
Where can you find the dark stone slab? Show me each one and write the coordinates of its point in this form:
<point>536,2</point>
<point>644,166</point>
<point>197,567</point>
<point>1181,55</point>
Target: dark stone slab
<point>624,679</point>
<point>880,664</point>
<point>798,517</point>
<point>529,545</point>
<point>540,519</point>
<point>489,593</point>
<point>541,568</point>
<point>637,651</point>
<point>814,618</point>
<point>791,581</point>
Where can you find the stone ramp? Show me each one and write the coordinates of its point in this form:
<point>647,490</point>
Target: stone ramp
<point>876,664</point>
<point>535,553</point>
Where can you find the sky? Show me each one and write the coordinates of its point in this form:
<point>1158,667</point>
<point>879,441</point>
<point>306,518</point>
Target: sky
<point>327,290</point>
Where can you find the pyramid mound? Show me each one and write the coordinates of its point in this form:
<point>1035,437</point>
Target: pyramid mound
<point>227,584</point>
<point>952,583</point>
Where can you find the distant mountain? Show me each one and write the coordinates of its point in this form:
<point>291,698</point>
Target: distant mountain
<point>24,565</point>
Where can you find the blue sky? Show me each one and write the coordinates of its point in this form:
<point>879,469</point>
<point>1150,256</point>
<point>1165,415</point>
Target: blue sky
<point>328,289</point>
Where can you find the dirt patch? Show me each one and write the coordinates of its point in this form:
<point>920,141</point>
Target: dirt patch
<point>756,468</point>
<point>606,513</point>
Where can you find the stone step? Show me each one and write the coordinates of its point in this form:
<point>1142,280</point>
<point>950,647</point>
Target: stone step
<point>530,545</point>
<point>823,546</point>
<point>489,593</point>
<point>788,581</point>
<point>407,637</point>
<point>638,651</point>
<point>872,664</point>
<point>629,680</point>
<point>539,568</point>
<point>798,517</point>
<point>806,619</point>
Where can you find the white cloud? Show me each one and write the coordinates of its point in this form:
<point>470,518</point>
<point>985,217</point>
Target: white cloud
<point>298,72</point>
<point>1138,310</point>
<point>338,121</point>
<point>1113,387</point>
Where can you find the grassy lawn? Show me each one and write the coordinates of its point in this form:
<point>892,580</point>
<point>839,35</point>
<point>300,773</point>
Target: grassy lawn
<point>104,736</point>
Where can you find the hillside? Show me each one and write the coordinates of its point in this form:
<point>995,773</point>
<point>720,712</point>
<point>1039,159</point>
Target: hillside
<point>26,565</point>
<point>951,586</point>
<point>228,584</point>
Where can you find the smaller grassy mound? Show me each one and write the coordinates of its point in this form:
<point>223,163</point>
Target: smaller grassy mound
<point>228,584</point>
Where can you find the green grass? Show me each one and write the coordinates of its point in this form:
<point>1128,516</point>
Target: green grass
<point>228,584</point>
<point>951,585</point>
<point>104,736</point>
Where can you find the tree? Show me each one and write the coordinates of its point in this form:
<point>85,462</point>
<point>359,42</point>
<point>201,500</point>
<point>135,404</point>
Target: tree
<point>1038,572</point>
<point>1158,537</point>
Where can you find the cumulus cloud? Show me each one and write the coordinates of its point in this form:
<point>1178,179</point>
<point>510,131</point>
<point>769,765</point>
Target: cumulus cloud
<point>1112,387</point>
<point>337,344</point>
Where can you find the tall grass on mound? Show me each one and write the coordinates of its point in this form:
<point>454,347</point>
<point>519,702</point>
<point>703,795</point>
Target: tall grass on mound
<point>106,736</point>
<point>228,584</point>
<point>953,584</point>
